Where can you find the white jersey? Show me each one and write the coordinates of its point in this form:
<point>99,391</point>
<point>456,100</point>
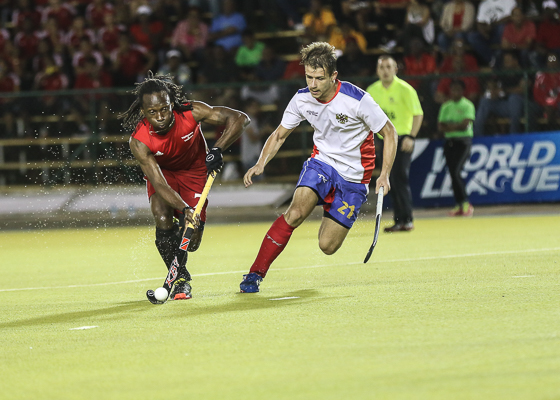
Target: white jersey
<point>343,129</point>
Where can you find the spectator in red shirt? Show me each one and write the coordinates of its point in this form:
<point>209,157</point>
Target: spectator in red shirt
<point>96,11</point>
<point>458,49</point>
<point>131,62</point>
<point>25,10</point>
<point>108,36</point>
<point>546,89</point>
<point>9,83</point>
<point>519,34</point>
<point>27,40</point>
<point>146,31</point>
<point>92,76</point>
<point>472,87</point>
<point>64,13</point>
<point>86,51</point>
<point>418,62</point>
<point>77,32</point>
<point>548,33</point>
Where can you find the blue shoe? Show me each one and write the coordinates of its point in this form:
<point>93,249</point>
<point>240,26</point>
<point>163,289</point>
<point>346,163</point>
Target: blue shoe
<point>250,283</point>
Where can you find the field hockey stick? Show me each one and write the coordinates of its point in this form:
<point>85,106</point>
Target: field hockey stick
<point>185,240</point>
<point>377,223</point>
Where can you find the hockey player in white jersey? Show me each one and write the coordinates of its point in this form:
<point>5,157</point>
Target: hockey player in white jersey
<point>337,175</point>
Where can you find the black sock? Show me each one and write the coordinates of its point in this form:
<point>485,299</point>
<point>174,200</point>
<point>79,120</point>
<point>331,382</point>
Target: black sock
<point>167,243</point>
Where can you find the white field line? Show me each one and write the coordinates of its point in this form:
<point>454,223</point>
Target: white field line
<point>285,298</point>
<point>303,267</point>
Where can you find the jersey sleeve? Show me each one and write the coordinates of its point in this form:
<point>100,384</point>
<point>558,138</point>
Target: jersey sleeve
<point>413,102</point>
<point>292,115</point>
<point>442,115</point>
<point>372,115</point>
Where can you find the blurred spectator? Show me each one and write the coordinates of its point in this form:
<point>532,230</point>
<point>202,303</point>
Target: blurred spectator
<point>191,35</point>
<point>291,8</point>
<point>179,70</point>
<point>353,62</point>
<point>251,140</point>
<point>77,33</point>
<point>96,12</point>
<point>147,31</point>
<point>458,49</point>
<point>318,21</point>
<point>249,54</point>
<point>108,36</point>
<point>418,62</point>
<point>53,34</point>
<point>491,16</point>
<point>503,96</point>
<point>64,13</point>
<point>389,13</point>
<point>419,22</point>
<point>226,28</point>
<point>9,83</point>
<point>294,69</point>
<point>86,51</point>
<point>23,10</point>
<point>357,13</point>
<point>50,79</point>
<point>217,67</point>
<point>456,20</point>
<point>270,68</point>
<point>27,40</point>
<point>548,32</point>
<point>340,36</point>
<point>92,76</point>
<point>4,38</point>
<point>471,87</point>
<point>519,34</point>
<point>263,93</point>
<point>44,51</point>
<point>131,62</point>
<point>546,90</point>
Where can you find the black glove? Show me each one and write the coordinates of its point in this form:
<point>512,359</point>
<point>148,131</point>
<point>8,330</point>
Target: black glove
<point>214,160</point>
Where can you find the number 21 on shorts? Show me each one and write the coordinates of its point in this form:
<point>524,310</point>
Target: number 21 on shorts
<point>345,207</point>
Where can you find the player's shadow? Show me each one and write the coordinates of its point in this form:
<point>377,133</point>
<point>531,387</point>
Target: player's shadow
<point>95,315</point>
<point>249,302</point>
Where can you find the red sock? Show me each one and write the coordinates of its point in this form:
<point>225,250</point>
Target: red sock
<point>274,242</point>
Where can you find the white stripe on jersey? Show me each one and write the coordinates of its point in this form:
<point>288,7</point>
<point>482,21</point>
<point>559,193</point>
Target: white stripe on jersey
<point>343,128</point>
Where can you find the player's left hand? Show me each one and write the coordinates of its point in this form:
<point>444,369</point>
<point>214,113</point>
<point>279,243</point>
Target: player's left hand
<point>214,160</point>
<point>407,145</point>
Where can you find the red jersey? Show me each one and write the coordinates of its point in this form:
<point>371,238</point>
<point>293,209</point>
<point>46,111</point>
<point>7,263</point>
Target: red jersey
<point>182,148</point>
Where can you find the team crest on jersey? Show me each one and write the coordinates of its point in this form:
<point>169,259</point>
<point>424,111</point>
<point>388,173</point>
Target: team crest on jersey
<point>342,118</point>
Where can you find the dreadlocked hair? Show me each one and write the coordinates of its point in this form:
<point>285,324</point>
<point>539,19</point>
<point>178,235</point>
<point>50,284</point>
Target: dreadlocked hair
<point>153,84</point>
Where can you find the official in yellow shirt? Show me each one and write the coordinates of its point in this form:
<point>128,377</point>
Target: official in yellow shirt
<point>400,102</point>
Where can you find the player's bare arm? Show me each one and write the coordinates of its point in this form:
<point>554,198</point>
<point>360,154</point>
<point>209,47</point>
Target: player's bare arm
<point>151,169</point>
<point>390,141</point>
<point>234,121</point>
<point>270,148</point>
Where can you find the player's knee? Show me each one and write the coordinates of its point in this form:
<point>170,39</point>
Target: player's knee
<point>329,248</point>
<point>294,217</point>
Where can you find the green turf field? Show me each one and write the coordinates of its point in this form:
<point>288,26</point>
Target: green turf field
<point>457,309</point>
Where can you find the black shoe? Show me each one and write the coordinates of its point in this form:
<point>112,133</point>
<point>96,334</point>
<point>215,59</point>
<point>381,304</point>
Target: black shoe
<point>181,290</point>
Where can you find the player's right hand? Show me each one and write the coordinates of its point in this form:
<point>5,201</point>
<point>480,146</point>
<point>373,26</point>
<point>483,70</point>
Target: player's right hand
<point>254,170</point>
<point>191,218</point>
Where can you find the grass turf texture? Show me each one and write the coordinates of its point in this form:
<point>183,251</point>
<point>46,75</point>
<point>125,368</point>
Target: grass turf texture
<point>458,308</point>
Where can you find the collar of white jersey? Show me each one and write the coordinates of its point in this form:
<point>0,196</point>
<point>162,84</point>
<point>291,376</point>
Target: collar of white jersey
<point>338,85</point>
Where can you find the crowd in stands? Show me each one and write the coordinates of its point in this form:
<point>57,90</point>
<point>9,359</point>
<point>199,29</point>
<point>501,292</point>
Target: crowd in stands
<point>51,45</point>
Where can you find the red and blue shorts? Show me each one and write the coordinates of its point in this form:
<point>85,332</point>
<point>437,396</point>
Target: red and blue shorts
<point>188,185</point>
<point>340,199</point>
